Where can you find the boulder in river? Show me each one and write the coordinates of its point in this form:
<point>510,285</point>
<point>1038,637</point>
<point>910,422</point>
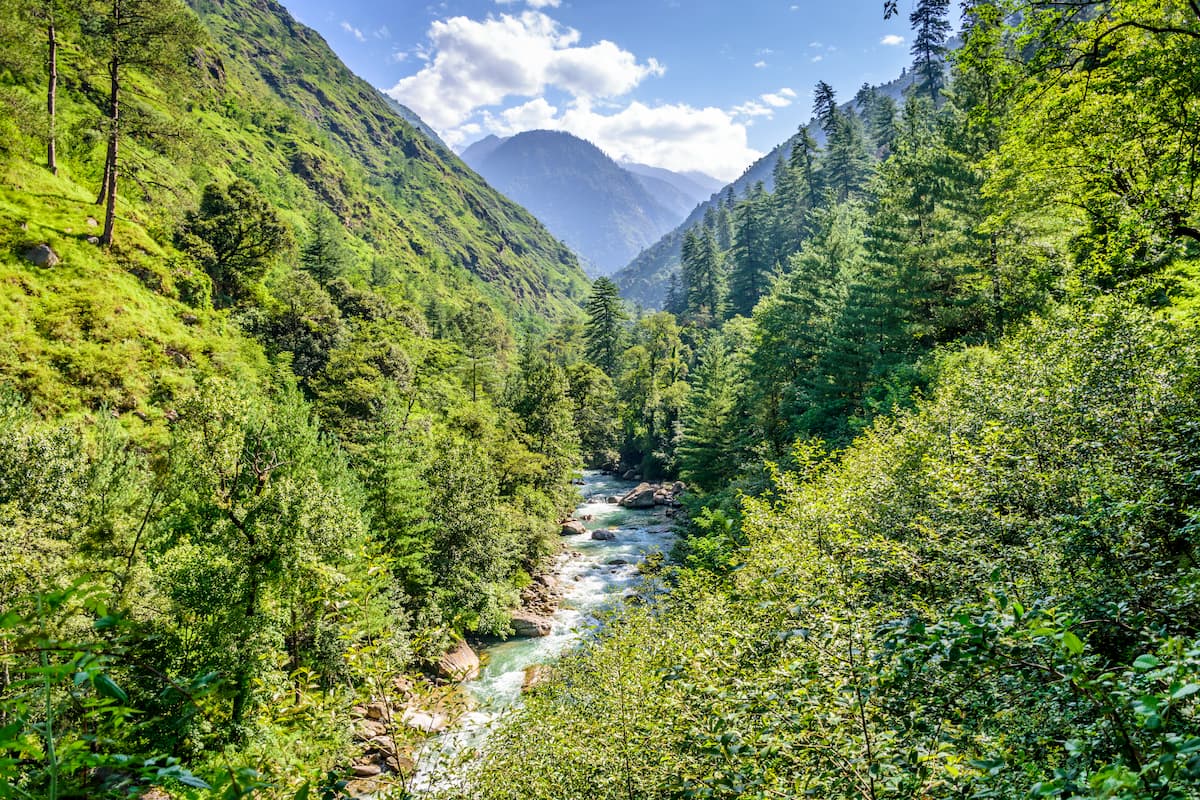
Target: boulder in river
<point>604,535</point>
<point>641,496</point>
<point>572,527</point>
<point>528,624</point>
<point>459,663</point>
<point>535,676</point>
<point>425,721</point>
<point>612,498</point>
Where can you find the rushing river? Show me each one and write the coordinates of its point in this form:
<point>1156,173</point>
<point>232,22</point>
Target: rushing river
<point>591,577</point>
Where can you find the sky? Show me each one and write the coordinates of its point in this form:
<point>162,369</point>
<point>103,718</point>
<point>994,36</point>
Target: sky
<point>708,85</point>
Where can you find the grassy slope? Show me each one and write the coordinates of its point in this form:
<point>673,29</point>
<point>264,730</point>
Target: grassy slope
<point>272,104</point>
<point>391,185</point>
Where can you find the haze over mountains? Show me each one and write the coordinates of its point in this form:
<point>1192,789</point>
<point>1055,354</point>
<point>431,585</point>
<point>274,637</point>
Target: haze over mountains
<point>606,212</point>
<point>644,280</point>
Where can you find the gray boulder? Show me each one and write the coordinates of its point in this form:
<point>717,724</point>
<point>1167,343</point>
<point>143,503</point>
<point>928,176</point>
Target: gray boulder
<point>572,527</point>
<point>642,496</point>
<point>42,255</point>
<point>526,624</point>
<point>459,663</point>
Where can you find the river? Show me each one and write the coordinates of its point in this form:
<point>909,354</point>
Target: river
<point>591,577</point>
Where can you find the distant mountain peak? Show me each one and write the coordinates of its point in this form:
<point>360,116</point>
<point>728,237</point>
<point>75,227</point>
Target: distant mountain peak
<point>603,211</point>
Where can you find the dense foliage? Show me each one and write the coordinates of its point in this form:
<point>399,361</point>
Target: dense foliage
<point>940,399</point>
<point>266,440</point>
<point>934,389</point>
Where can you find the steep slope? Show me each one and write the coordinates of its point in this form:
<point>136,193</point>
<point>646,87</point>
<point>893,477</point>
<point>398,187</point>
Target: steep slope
<point>383,179</point>
<point>644,280</point>
<point>667,194</point>
<point>602,211</point>
<point>264,100</point>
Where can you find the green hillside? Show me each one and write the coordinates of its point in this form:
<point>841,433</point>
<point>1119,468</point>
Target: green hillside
<point>295,364</point>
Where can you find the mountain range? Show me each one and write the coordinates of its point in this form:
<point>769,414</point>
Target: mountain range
<point>606,212</point>
<point>644,280</point>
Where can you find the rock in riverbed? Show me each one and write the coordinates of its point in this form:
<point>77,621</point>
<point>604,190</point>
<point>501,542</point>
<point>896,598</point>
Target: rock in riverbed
<point>459,663</point>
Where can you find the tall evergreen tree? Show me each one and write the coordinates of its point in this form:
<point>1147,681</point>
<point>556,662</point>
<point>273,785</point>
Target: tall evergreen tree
<point>929,46</point>
<point>152,36</point>
<point>603,332</point>
<point>703,277</point>
<point>325,255</point>
<point>751,257</point>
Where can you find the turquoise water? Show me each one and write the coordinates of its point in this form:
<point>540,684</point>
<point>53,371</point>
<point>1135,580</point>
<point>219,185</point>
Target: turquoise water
<point>589,583</point>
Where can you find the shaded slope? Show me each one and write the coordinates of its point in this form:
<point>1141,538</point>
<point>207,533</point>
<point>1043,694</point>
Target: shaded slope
<point>584,197</point>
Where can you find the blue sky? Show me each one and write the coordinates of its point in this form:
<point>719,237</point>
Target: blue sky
<point>682,84</point>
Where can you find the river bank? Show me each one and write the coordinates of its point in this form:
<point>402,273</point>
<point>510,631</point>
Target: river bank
<point>588,576</point>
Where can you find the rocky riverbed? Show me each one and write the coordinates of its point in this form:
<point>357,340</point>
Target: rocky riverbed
<point>610,534</point>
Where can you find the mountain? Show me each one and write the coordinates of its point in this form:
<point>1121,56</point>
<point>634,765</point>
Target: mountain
<point>352,148</point>
<point>263,100</point>
<point>644,280</point>
<point>411,117</point>
<point>695,186</point>
<point>605,213</point>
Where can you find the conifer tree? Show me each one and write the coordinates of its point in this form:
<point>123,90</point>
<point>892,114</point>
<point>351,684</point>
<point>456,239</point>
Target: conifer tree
<point>751,260</point>
<point>325,255</point>
<point>603,332</point>
<point>153,36</point>
<point>929,46</point>
<point>707,450</point>
<point>703,277</point>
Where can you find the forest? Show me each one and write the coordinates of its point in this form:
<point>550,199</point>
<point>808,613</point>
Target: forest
<point>286,413</point>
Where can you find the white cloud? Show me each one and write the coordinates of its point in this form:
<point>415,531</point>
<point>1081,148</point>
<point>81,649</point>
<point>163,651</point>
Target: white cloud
<point>353,31</point>
<point>816,59</point>
<point>532,3</point>
<point>753,108</point>
<point>759,64</point>
<point>382,32</point>
<point>892,40</point>
<point>479,63</point>
<point>781,99</point>
<point>674,136</point>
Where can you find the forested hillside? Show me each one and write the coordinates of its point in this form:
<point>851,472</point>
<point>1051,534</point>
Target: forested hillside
<point>938,393</point>
<point>274,426</point>
<point>301,415</point>
<point>644,281</point>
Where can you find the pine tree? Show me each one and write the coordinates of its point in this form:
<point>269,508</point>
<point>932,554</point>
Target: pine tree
<point>325,255</point>
<point>153,36</point>
<point>846,164</point>
<point>603,332</point>
<point>750,258</point>
<point>703,277</point>
<point>825,106</point>
<point>929,46</point>
<point>707,448</point>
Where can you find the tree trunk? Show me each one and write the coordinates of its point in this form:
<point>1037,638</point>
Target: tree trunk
<point>52,100</point>
<point>110,171</point>
<point>100,198</point>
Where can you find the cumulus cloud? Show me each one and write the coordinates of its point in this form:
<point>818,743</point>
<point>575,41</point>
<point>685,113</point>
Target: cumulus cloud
<point>514,72</point>
<point>479,63</point>
<point>353,31</point>
<point>760,64</point>
<point>892,40</point>
<point>674,136</point>
<point>781,99</point>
